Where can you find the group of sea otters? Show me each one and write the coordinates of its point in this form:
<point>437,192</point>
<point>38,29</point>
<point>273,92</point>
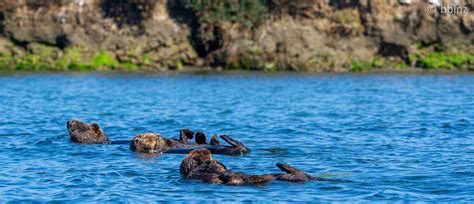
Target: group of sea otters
<point>198,163</point>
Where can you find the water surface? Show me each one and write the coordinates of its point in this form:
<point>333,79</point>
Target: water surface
<point>386,137</point>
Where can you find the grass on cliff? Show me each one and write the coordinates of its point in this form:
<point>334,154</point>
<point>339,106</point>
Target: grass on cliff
<point>443,60</point>
<point>46,58</point>
<point>104,59</point>
<point>425,60</point>
<point>362,65</point>
<point>71,59</point>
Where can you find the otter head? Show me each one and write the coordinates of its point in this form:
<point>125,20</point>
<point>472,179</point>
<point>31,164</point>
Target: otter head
<point>83,133</point>
<point>149,143</point>
<point>200,155</point>
<point>194,159</point>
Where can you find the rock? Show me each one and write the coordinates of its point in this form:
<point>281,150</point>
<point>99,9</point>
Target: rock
<point>309,35</point>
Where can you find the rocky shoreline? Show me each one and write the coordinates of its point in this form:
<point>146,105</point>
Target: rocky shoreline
<point>269,35</point>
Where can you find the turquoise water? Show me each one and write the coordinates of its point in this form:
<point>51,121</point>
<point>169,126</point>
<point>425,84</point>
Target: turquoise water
<point>383,137</point>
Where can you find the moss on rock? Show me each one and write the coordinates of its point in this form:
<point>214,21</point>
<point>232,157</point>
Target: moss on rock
<point>443,60</point>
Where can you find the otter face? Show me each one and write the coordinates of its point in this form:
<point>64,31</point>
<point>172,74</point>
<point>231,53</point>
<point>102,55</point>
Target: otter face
<point>83,133</point>
<point>149,143</point>
<point>193,160</point>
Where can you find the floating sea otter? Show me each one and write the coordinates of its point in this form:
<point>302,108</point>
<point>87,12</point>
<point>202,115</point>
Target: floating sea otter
<point>199,164</point>
<point>154,143</point>
<point>83,133</point>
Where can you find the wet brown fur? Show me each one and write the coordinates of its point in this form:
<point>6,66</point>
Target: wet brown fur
<point>147,143</point>
<point>199,164</point>
<point>185,134</point>
<point>83,133</point>
<point>214,140</point>
<point>150,143</point>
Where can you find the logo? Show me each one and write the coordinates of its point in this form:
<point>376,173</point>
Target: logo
<point>455,7</point>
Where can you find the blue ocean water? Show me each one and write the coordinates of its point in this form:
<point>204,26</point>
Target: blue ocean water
<point>382,137</point>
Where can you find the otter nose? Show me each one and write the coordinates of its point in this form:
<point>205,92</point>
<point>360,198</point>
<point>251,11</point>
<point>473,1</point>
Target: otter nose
<point>68,124</point>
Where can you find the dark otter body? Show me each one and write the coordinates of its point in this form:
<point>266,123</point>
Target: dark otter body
<point>199,164</point>
<point>83,133</point>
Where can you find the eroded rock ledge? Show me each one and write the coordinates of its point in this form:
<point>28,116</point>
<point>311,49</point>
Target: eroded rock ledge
<point>305,35</point>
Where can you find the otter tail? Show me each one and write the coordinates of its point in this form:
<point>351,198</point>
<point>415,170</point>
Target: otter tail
<point>294,174</point>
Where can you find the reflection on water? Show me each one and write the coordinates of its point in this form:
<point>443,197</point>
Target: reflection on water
<point>386,137</point>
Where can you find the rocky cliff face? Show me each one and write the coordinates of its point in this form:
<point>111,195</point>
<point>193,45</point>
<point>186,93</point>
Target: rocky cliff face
<point>311,35</point>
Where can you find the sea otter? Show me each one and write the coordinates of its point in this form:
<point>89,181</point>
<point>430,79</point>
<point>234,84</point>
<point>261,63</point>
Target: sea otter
<point>199,164</point>
<point>83,133</point>
<point>154,143</point>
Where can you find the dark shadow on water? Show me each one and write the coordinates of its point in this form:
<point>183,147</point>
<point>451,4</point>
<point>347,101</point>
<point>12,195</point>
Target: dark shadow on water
<point>274,151</point>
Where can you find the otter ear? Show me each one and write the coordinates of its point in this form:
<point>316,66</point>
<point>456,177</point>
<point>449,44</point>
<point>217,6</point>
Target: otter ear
<point>95,127</point>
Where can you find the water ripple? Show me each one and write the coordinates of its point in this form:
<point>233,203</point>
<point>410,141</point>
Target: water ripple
<point>376,137</point>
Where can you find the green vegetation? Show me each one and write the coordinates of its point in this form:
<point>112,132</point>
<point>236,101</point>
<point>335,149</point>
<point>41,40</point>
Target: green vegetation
<point>147,59</point>
<point>401,66</point>
<point>104,59</point>
<point>129,66</point>
<point>423,44</point>
<point>247,63</point>
<point>363,65</point>
<point>178,64</point>
<point>247,12</point>
<point>39,57</point>
<point>256,63</point>
<point>45,58</point>
<point>251,59</point>
<point>73,60</point>
<point>427,60</point>
<point>439,60</point>
<point>41,60</point>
